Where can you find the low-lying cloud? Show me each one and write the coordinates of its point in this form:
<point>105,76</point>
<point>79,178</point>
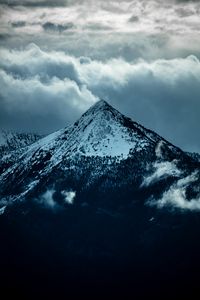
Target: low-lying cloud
<point>69,196</point>
<point>176,196</point>
<point>47,199</point>
<point>161,171</point>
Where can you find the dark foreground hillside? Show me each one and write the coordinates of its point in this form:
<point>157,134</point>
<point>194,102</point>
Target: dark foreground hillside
<point>83,250</point>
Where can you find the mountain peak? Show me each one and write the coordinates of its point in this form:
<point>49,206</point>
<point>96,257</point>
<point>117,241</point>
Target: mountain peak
<point>101,132</point>
<point>100,105</point>
<point>101,109</point>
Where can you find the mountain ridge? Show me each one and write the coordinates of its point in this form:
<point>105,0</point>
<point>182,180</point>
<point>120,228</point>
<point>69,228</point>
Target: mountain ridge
<point>100,148</point>
<point>13,140</point>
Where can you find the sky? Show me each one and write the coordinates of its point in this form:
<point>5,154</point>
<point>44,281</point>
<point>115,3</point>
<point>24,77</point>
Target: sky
<point>57,58</point>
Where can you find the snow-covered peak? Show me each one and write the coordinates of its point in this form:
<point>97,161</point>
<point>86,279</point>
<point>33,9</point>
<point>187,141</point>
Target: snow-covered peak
<point>100,131</point>
<point>103,131</point>
<point>100,109</point>
<point>101,104</point>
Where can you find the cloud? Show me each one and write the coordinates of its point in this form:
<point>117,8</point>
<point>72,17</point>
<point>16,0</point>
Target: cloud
<point>49,26</point>
<point>186,1</point>
<point>176,196</point>
<point>39,86</point>
<point>33,62</point>
<point>69,196</point>
<point>133,19</point>
<point>161,171</point>
<point>151,19</point>
<point>35,3</point>
<point>95,26</point>
<point>47,199</point>
<point>32,105</point>
<point>35,97</point>
<point>18,24</point>
<point>4,36</point>
<point>184,12</point>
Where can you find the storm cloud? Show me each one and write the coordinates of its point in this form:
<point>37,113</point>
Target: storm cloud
<point>49,26</point>
<point>104,29</point>
<point>59,57</point>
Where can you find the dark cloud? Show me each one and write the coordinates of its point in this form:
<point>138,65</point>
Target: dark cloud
<point>31,105</point>
<point>4,36</point>
<point>186,1</point>
<point>184,12</point>
<point>108,5</point>
<point>133,19</point>
<point>35,3</point>
<point>105,29</point>
<point>49,26</point>
<point>18,24</point>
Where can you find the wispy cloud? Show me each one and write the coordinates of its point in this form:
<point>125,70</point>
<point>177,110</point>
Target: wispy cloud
<point>176,196</point>
<point>161,171</point>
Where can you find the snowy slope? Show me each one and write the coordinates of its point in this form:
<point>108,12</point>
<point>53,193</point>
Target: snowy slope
<point>99,141</point>
<point>101,131</point>
<point>195,156</point>
<point>10,140</point>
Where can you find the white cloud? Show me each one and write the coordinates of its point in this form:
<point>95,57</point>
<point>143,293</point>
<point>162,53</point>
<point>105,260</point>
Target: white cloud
<point>47,199</point>
<point>69,196</point>
<point>176,196</point>
<point>161,170</point>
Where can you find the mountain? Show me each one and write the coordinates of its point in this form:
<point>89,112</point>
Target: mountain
<point>93,153</point>
<point>10,141</point>
<point>103,204</point>
<point>194,155</point>
<point>13,145</point>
